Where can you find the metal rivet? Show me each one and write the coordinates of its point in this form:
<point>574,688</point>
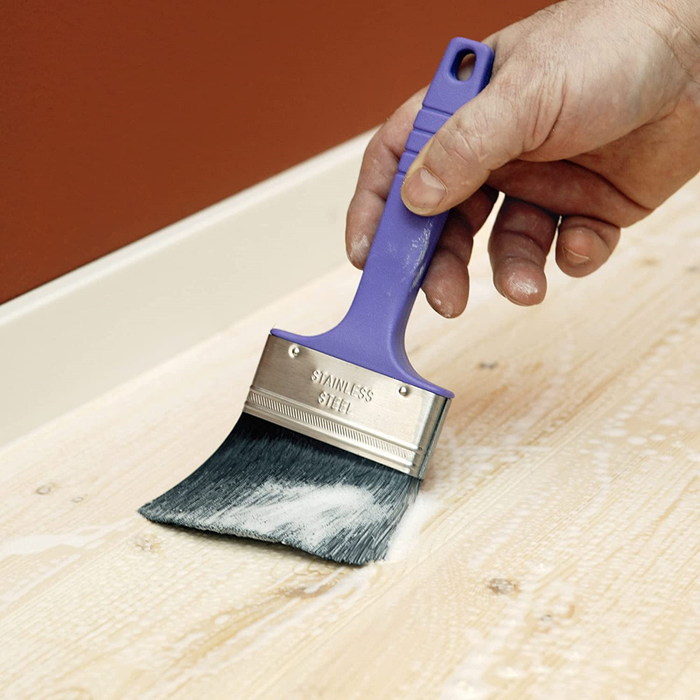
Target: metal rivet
<point>294,351</point>
<point>403,390</point>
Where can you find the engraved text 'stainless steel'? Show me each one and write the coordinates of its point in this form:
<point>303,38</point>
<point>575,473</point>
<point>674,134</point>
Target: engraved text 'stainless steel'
<point>353,386</point>
<point>347,406</point>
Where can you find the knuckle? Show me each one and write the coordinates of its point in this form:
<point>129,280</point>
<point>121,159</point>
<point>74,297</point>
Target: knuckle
<point>536,99</point>
<point>468,138</point>
<point>547,102</point>
<point>532,86</point>
<point>461,143</point>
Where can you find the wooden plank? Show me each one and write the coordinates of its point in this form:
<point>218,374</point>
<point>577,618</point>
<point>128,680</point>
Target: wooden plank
<point>554,550</point>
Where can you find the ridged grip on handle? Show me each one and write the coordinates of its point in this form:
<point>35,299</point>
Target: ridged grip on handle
<point>372,333</point>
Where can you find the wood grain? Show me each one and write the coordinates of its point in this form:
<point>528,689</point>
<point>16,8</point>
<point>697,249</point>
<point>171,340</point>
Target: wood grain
<point>554,551</point>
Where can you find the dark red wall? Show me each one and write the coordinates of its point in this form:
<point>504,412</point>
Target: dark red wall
<point>120,117</point>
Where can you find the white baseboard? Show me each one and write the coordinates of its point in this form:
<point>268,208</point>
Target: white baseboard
<point>82,334</point>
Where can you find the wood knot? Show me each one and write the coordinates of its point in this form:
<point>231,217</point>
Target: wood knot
<point>147,543</point>
<point>502,586</point>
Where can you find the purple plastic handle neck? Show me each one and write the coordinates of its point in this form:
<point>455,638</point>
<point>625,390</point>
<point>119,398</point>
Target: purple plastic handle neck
<point>372,333</point>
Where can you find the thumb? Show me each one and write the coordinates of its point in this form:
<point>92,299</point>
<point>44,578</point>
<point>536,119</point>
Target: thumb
<point>486,133</point>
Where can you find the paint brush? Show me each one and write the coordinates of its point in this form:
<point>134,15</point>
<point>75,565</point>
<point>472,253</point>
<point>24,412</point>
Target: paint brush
<point>338,428</point>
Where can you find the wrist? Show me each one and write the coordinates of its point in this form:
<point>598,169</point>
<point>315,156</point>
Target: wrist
<point>678,23</point>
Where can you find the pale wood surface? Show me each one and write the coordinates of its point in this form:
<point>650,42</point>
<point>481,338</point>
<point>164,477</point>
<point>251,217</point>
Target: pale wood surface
<point>554,551</point>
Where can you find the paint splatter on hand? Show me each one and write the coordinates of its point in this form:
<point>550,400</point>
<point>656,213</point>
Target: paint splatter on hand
<point>591,120</point>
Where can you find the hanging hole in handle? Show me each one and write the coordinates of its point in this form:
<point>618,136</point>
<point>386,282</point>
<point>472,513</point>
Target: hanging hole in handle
<point>463,66</point>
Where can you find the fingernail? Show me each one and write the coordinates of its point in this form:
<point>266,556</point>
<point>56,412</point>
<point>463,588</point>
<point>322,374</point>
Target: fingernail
<point>423,190</point>
<point>575,259</point>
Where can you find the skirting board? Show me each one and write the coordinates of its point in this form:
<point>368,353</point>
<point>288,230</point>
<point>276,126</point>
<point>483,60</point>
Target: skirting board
<point>86,332</point>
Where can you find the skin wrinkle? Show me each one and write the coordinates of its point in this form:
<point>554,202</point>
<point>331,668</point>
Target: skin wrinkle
<point>553,12</point>
<point>524,216</point>
<point>474,211</point>
<point>471,137</point>
<point>567,138</point>
<point>672,101</point>
<point>460,246</point>
<point>539,143</point>
<point>470,215</point>
<point>601,180</point>
<point>643,211</point>
<point>438,140</point>
<point>611,178</point>
<point>678,25</point>
<point>529,244</point>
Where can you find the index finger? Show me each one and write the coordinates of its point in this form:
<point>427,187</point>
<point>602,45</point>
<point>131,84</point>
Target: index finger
<point>379,166</point>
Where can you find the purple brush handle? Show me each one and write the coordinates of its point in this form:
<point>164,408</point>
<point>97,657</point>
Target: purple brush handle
<point>372,333</point>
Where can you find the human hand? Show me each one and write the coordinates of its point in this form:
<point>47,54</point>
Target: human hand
<point>591,120</point>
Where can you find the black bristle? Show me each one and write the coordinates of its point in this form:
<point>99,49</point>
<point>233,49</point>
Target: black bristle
<point>271,483</point>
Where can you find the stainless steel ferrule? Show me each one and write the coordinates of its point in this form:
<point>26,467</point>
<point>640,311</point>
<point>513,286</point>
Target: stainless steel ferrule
<point>341,404</point>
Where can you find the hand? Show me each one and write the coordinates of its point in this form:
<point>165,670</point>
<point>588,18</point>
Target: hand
<point>591,120</point>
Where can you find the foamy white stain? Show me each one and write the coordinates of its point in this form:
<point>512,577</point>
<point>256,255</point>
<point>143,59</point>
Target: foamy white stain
<point>522,286</point>
<point>615,432</point>
<point>407,534</point>
<point>88,537</point>
<point>418,264</point>
<point>314,513</point>
<point>359,248</point>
